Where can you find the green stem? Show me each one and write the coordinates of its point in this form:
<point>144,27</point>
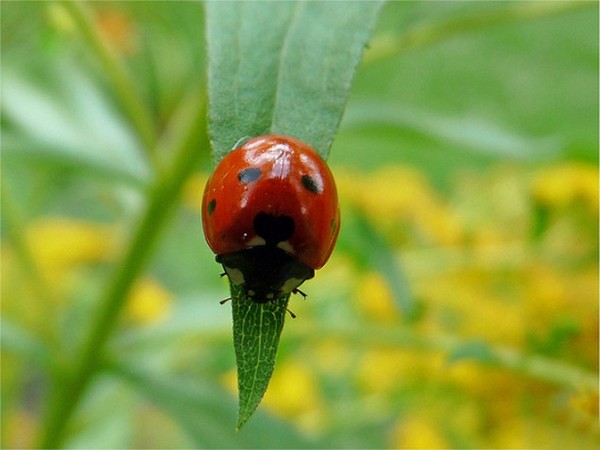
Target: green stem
<point>117,74</point>
<point>69,391</point>
<point>420,35</point>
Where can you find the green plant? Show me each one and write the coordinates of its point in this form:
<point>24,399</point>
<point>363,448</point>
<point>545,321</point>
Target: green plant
<point>459,309</point>
<point>292,78</point>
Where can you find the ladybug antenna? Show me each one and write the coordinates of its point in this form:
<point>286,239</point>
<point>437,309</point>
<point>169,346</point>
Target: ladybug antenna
<point>291,313</point>
<point>225,300</point>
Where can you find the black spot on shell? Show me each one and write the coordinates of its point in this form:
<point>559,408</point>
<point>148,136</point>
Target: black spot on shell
<point>311,185</point>
<point>249,175</point>
<point>211,206</point>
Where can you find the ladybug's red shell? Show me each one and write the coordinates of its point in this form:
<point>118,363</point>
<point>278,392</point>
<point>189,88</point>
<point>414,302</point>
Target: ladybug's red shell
<point>272,188</point>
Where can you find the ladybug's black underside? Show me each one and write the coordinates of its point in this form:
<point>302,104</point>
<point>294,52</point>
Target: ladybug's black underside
<point>265,272</point>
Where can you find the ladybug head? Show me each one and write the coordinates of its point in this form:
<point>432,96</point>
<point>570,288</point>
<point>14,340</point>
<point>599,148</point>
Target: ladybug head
<point>264,273</point>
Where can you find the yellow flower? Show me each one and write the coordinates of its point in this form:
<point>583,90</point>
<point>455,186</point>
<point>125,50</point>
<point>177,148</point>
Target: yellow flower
<point>348,182</point>
<point>560,185</point>
<point>468,302</point>
<point>493,207</point>
<point>331,357</point>
<point>385,369</point>
<point>583,308</point>
<point>375,298</point>
<point>496,320</point>
<point>148,302</point>
<point>441,225</point>
<point>584,406</point>
<point>546,296</point>
<point>510,433</point>
<point>468,375</point>
<point>417,431</point>
<point>380,370</point>
<point>395,191</point>
<point>60,244</point>
<point>293,390</point>
<point>65,242</point>
<point>407,195</point>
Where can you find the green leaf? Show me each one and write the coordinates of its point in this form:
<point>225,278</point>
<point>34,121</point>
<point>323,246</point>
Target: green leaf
<point>470,134</point>
<point>99,422</point>
<point>68,123</point>
<point>369,246</point>
<point>256,332</point>
<point>19,341</point>
<point>429,94</point>
<point>283,68</point>
<point>33,152</point>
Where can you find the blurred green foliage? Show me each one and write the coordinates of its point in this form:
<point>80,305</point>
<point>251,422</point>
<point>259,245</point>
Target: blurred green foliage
<point>460,308</point>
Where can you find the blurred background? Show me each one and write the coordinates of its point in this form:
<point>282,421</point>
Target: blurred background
<point>460,307</point>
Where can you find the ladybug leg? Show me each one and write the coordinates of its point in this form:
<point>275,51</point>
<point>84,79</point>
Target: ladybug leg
<point>293,316</point>
<point>223,274</point>
<point>298,291</point>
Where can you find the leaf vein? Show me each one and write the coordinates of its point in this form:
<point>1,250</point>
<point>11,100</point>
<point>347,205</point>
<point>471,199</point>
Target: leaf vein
<point>294,16</point>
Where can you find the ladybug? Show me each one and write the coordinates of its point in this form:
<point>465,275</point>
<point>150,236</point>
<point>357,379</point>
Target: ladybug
<point>270,213</point>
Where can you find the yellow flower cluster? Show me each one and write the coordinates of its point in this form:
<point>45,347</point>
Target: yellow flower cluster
<point>418,432</point>
<point>149,302</point>
<point>375,298</point>
<point>482,274</point>
<point>57,252</point>
<point>61,249</point>
<point>59,244</point>
<point>399,196</point>
<point>561,185</point>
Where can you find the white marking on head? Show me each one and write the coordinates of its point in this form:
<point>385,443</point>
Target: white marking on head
<point>291,284</point>
<point>235,275</point>
<point>286,246</point>
<point>255,241</point>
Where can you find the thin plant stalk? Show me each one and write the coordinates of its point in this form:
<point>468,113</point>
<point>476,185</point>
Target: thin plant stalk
<point>420,35</point>
<point>69,390</point>
<point>116,72</point>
